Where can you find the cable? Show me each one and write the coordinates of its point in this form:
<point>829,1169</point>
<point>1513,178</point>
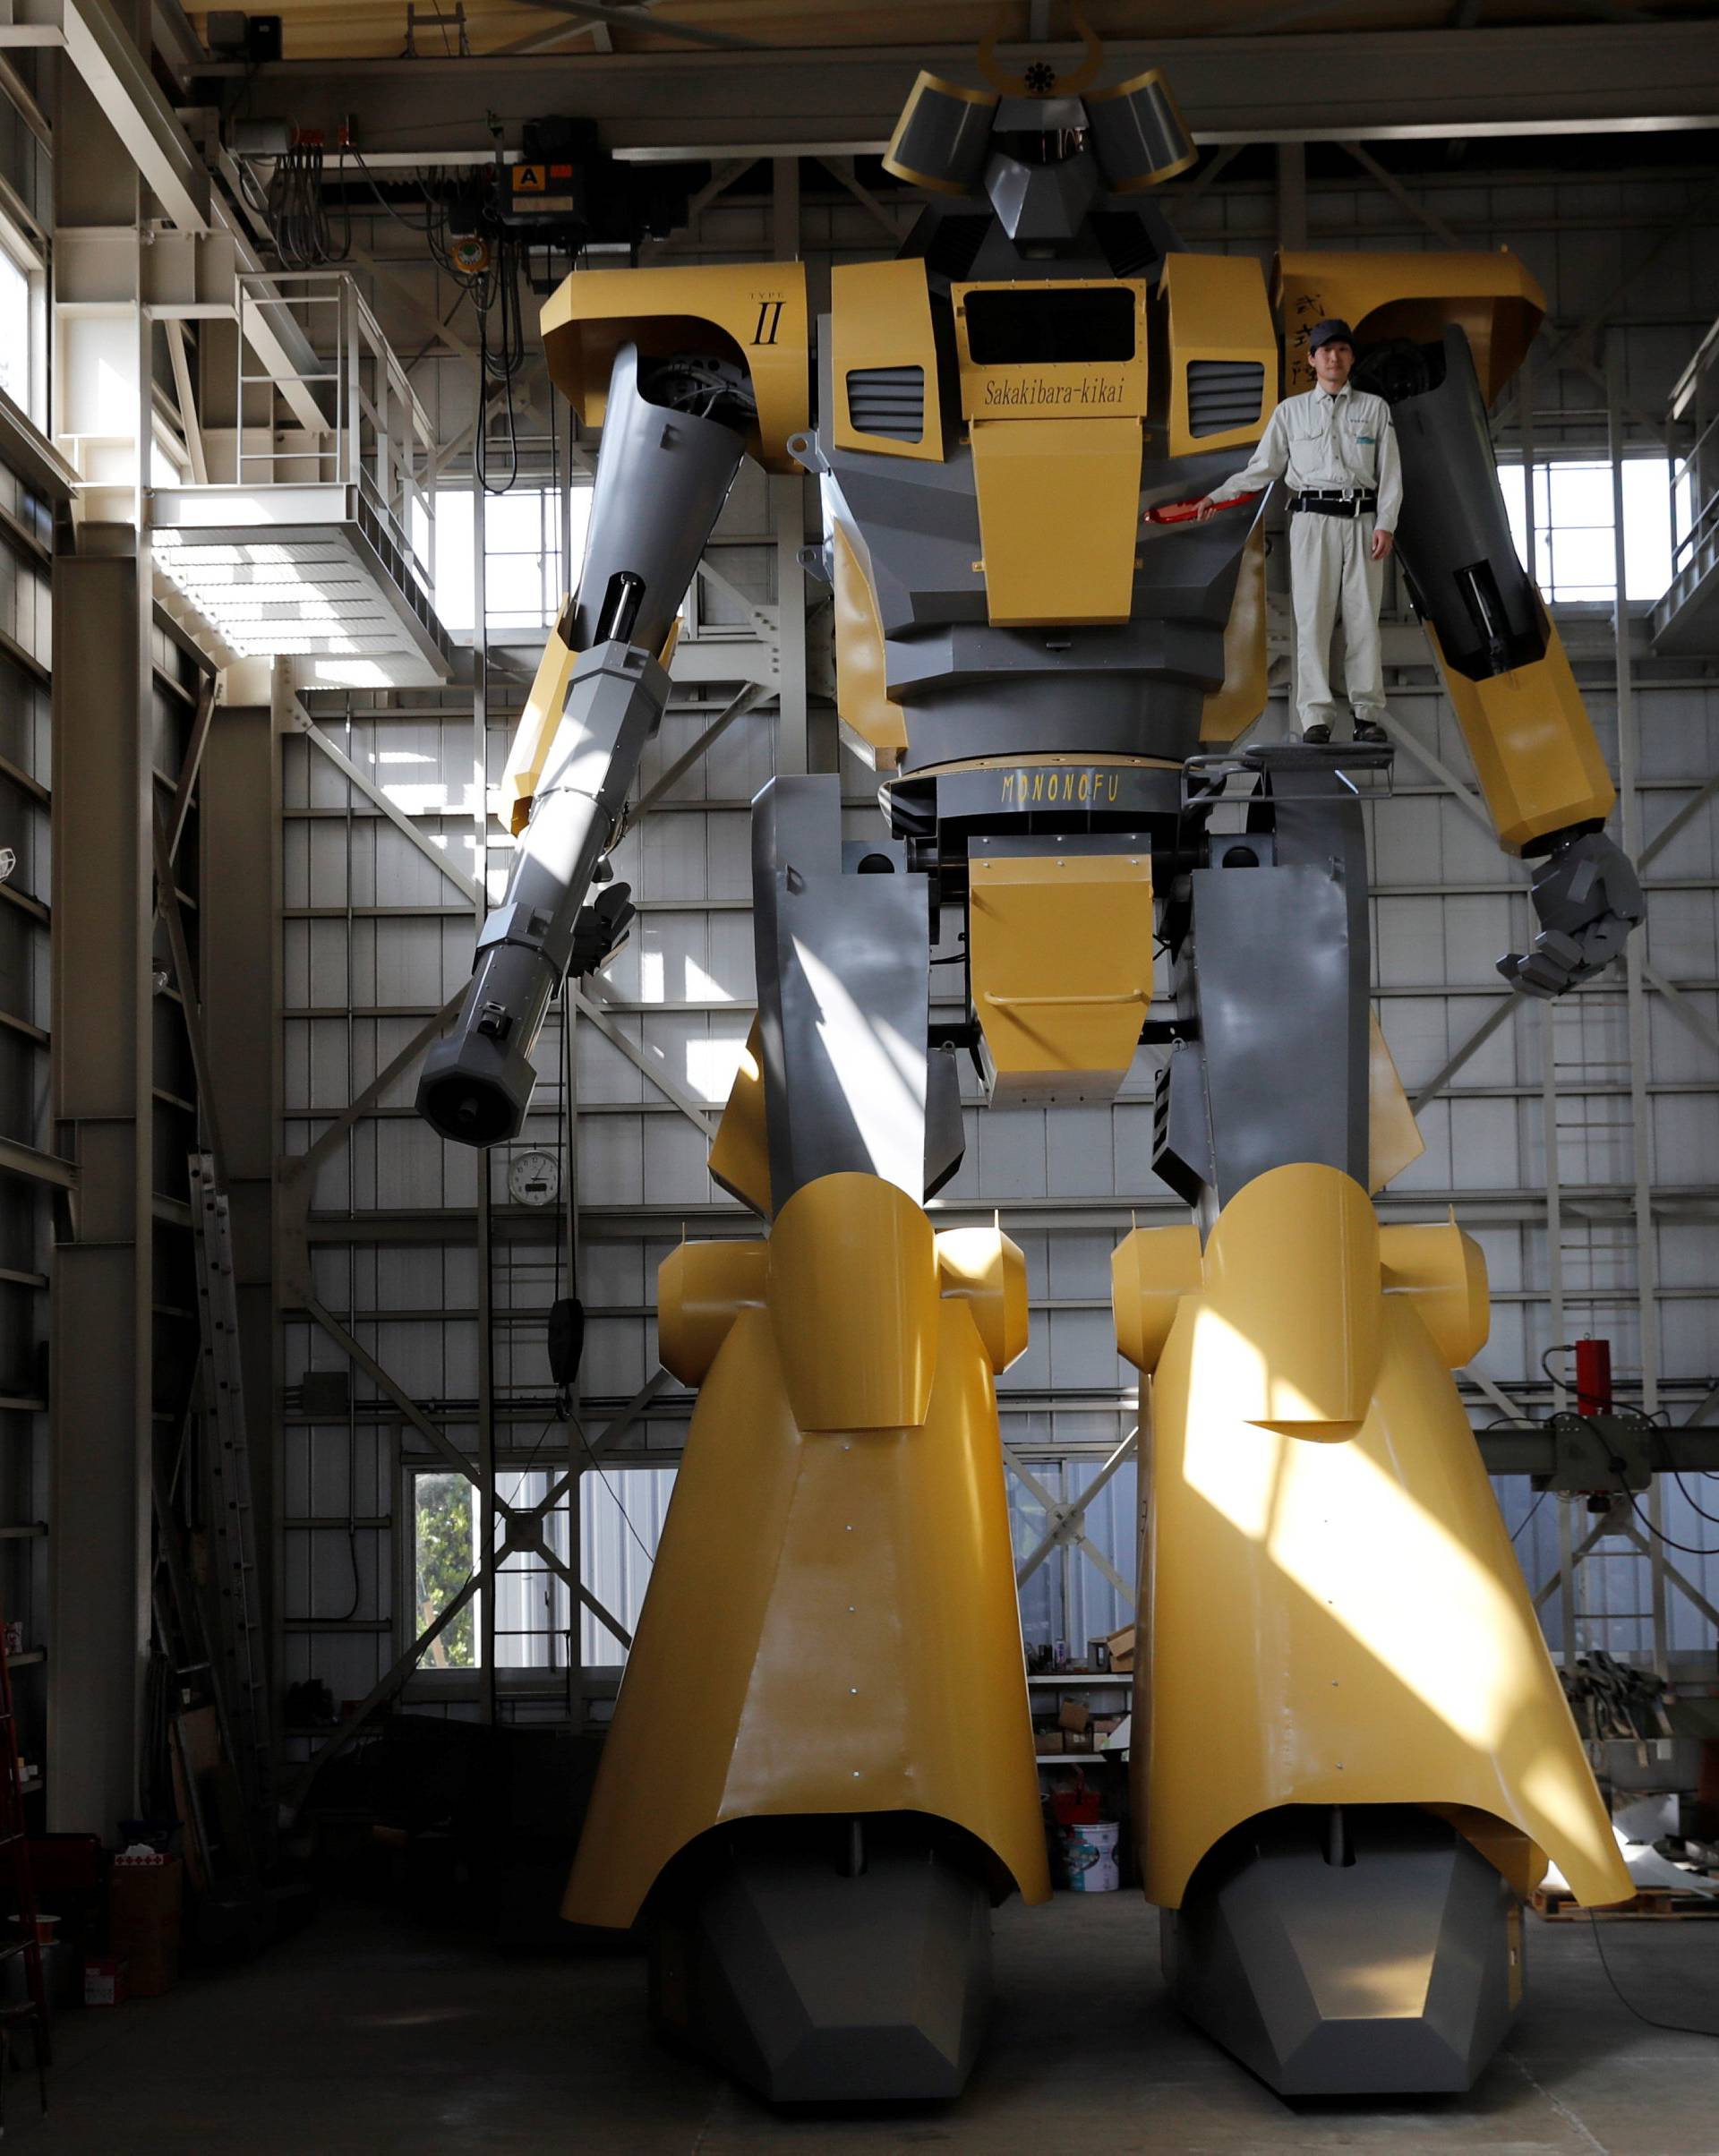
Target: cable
<point>1689,1549</point>
<point>1652,2020</point>
<point>608,1485</point>
<point>1528,1516</point>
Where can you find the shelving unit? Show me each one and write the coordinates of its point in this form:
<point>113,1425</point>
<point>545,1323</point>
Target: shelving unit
<point>1081,1681</point>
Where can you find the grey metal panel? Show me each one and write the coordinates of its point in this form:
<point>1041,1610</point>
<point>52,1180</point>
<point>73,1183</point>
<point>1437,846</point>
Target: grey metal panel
<point>1278,1018</point>
<point>843,998</point>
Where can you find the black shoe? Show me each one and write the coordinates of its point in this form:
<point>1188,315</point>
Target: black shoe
<point>1316,737</point>
<point>1366,731</point>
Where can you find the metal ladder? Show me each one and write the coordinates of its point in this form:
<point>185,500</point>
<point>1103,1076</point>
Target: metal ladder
<point>240,1644</point>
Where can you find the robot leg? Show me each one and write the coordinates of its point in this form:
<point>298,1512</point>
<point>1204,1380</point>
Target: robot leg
<point>819,1775</point>
<point>1358,1756</point>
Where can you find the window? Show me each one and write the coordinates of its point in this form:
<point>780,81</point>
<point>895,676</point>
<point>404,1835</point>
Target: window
<point>1573,530</point>
<point>444,1550</point>
<point>522,546</point>
<point>23,320</point>
<point>622,1520</point>
<point>15,330</point>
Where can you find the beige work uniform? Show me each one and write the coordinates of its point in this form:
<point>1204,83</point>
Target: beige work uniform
<point>1314,442</point>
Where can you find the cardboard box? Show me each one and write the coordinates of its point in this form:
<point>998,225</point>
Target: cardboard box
<point>1121,1645</point>
<point>1078,1740</point>
<point>1048,1740</point>
<point>143,1921</point>
<point>1074,1715</point>
<point>104,1983</point>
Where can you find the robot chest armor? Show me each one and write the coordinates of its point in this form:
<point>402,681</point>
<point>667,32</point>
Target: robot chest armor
<point>985,477</point>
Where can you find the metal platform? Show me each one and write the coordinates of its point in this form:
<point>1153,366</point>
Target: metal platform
<point>305,572</point>
<point>304,532</point>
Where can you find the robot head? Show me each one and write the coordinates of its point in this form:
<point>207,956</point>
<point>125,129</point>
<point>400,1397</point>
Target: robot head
<point>1044,147</point>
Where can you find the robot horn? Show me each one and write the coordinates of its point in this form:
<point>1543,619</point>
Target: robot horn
<point>1039,81</point>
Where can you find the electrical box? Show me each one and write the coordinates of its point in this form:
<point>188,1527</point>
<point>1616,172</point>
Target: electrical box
<point>1599,1455</point>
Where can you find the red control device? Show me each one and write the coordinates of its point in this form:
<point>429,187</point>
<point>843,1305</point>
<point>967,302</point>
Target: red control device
<point>1184,512</point>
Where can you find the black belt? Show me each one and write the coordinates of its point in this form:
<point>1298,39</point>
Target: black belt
<point>1334,501</point>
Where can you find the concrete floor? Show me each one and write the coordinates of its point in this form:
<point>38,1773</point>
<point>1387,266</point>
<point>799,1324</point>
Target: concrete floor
<point>368,2033</point>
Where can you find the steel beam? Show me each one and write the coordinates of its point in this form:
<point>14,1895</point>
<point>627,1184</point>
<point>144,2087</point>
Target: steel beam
<point>120,80</point>
<point>1636,1005</point>
<point>1315,86</point>
<point>697,1113</point>
<point>1691,808</point>
<point>239,835</point>
<point>1496,1020</point>
<point>299,718</point>
<point>102,1346</point>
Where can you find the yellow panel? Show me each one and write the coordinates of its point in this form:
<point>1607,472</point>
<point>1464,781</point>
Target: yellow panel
<point>701,1288</point>
<point>880,316</point>
<point>1150,1270</point>
<point>1228,712</point>
<point>538,723</point>
<point>1059,389</point>
<point>1059,520</point>
<point>1441,1272</point>
<point>1532,744</point>
<point>1292,1268</point>
<point>831,1627</point>
<point>739,1153</point>
<point>1393,1136</point>
<point>753,312</point>
<point>853,1299</point>
<point>1216,308</point>
<point>862,698</point>
<point>1494,296</point>
<point>1357,1607</point>
<point>982,1268</point>
<point>1061,954</point>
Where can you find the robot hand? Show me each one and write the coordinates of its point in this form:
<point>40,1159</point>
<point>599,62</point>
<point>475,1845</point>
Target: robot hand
<point>1587,898</point>
<point>600,929</point>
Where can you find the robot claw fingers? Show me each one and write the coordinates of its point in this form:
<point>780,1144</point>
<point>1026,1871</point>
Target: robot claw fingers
<point>1587,897</point>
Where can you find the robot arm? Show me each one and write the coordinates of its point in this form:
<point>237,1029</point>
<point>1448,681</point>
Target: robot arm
<point>1504,666</point>
<point>674,437</point>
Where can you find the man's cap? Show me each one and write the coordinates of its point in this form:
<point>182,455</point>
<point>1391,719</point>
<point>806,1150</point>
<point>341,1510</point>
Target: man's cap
<point>1333,332</point>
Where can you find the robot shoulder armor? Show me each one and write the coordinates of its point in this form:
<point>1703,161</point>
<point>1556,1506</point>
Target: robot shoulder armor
<point>754,314</point>
<point>1412,296</point>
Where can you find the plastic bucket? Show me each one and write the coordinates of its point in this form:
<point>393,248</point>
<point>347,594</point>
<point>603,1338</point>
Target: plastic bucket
<point>1090,1857</point>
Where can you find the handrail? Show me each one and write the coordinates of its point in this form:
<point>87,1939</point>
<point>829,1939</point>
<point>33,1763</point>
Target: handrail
<point>375,436</point>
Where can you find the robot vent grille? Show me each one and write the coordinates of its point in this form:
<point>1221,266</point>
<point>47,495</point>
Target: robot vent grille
<point>1128,245</point>
<point>1224,394</point>
<point>888,400</point>
<point>955,245</point>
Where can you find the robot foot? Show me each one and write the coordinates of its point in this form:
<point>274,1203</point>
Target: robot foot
<point>837,1962</point>
<point>1349,1951</point>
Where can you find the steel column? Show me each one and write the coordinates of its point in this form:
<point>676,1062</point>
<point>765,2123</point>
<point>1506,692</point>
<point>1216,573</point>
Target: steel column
<point>101,1347</point>
<point>239,828</point>
<point>1635,961</point>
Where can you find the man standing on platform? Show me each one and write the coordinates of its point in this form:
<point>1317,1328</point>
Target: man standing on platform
<point>1335,447</point>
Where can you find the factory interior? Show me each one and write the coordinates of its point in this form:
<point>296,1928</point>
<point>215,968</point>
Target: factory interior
<point>660,1499</point>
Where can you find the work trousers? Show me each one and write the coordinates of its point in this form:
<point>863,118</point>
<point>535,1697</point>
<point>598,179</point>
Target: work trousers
<point>1332,575</point>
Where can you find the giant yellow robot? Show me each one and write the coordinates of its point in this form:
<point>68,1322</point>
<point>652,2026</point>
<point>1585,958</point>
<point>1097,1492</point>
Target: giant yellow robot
<point>1351,1757</point>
